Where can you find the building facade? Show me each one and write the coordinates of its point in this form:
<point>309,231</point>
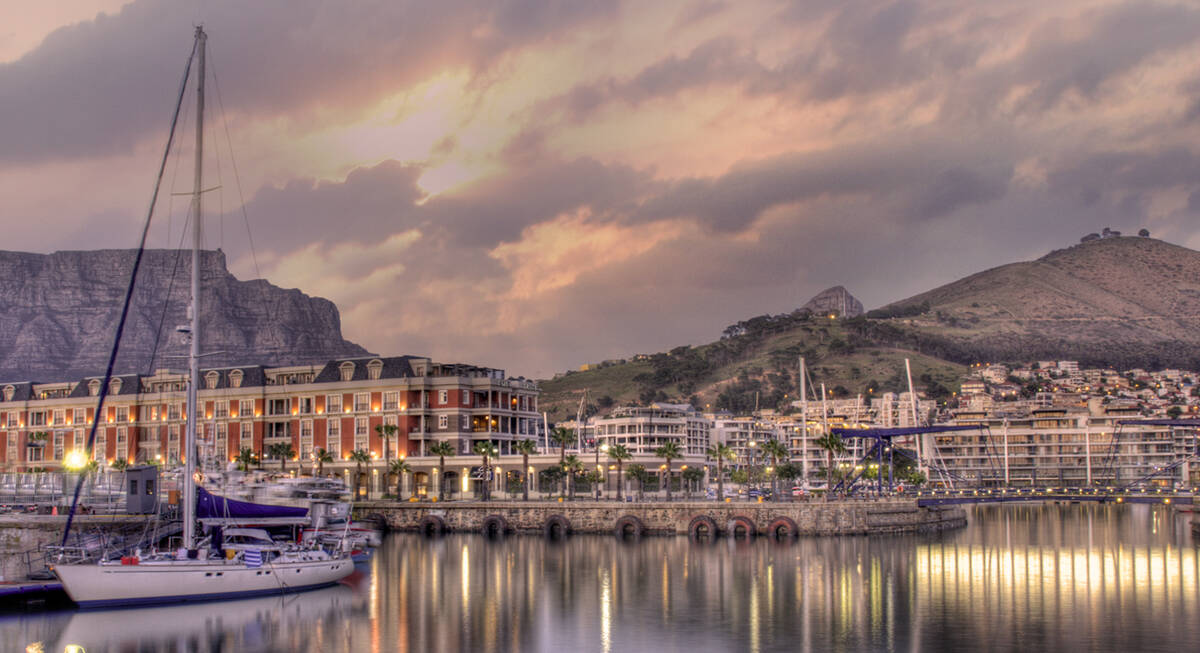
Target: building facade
<point>341,407</point>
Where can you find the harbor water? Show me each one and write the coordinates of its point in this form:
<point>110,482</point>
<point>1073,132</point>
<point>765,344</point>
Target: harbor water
<point>1018,577</point>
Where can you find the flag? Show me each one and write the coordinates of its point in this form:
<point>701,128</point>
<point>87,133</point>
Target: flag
<point>253,557</point>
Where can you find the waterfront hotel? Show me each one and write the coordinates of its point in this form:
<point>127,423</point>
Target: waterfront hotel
<point>336,406</point>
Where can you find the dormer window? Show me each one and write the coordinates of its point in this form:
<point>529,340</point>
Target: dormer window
<point>347,371</point>
<point>210,380</point>
<point>235,379</point>
<point>114,387</point>
<point>9,391</point>
<point>94,387</point>
<point>374,369</point>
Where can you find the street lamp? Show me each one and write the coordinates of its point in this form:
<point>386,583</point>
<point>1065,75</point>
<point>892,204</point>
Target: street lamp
<point>599,485</point>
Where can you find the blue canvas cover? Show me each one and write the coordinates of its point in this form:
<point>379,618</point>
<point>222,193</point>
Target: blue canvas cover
<point>212,506</point>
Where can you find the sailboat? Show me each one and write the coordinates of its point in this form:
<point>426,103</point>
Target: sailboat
<point>233,563</point>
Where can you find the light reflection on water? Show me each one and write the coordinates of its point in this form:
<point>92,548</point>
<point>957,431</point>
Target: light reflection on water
<point>1087,577</point>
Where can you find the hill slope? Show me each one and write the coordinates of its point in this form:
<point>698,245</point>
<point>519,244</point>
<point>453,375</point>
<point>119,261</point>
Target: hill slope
<point>1127,302</point>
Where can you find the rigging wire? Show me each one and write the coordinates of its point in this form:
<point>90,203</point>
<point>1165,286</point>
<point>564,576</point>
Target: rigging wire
<point>133,274</point>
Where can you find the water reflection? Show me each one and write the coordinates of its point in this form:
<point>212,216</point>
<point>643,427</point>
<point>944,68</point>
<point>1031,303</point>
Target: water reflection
<point>1037,578</point>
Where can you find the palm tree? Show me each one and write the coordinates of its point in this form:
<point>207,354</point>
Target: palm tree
<point>789,471</point>
<point>776,451</point>
<point>282,451</point>
<point>386,432</point>
<point>360,457</point>
<point>322,457</point>
<point>720,452</point>
<point>399,467</point>
<point>572,465</point>
<point>562,436</point>
<point>525,447</point>
<point>487,450</point>
<point>441,450</point>
<point>637,471</point>
<point>120,464</point>
<point>832,443</point>
<point>245,459</point>
<point>669,451</point>
<point>691,475</point>
<point>619,453</point>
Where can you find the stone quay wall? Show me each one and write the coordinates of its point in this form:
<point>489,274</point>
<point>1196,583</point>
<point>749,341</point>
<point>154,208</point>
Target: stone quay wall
<point>22,534</point>
<point>661,518</point>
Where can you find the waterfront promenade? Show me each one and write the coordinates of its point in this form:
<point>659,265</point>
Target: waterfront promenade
<point>692,518</point>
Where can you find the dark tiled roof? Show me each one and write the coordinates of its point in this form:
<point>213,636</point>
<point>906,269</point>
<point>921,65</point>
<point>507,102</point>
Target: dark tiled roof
<point>22,391</point>
<point>394,367</point>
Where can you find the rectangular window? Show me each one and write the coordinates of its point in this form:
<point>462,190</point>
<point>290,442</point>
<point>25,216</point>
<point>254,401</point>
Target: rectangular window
<point>173,433</point>
<point>246,408</point>
<point>333,437</point>
<point>443,422</point>
<point>98,451</point>
<point>362,402</point>
<point>174,410</point>
<point>305,406</point>
<point>122,414</point>
<point>122,444</point>
<point>221,409</point>
<point>247,438</point>
<point>443,397</point>
<point>79,440</point>
<point>221,445</point>
<point>80,416</point>
<point>361,442</point>
<point>37,418</point>
<point>155,413</point>
<point>306,439</point>
<point>333,404</point>
<point>60,417</point>
<point>278,407</point>
<point>12,419</point>
<point>59,439</point>
<point>391,400</point>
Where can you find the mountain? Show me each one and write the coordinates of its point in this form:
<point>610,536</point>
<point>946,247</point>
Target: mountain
<point>1114,301</point>
<point>836,300</point>
<point>1120,301</point>
<point>58,315</point>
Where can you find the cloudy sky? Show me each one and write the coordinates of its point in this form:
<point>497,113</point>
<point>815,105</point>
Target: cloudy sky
<point>539,184</point>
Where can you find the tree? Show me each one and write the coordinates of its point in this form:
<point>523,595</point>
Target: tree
<point>637,471</point>
<point>441,450</point>
<point>550,477</point>
<point>399,467</point>
<point>832,443</point>
<point>594,478</point>
<point>619,453</point>
<point>322,456</point>
<point>360,457</point>
<point>525,447</point>
<point>1174,412</point>
<point>562,436</point>
<point>720,452</point>
<point>486,450</point>
<point>691,475</point>
<point>669,451</point>
<point>120,464</point>
<point>282,451</point>
<point>776,451</point>
<point>386,432</point>
<point>789,471</point>
<point>245,459</point>
<point>572,465</point>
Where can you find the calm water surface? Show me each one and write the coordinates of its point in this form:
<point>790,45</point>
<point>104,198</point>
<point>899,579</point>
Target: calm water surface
<point>1052,578</point>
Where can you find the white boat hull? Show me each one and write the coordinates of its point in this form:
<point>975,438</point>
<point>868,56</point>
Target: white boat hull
<point>103,585</point>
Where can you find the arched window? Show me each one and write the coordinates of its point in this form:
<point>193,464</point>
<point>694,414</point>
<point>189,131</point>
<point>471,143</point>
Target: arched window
<point>9,391</point>
<point>235,379</point>
<point>374,369</point>
<point>114,387</point>
<point>94,387</point>
<point>210,380</point>
<point>347,370</point>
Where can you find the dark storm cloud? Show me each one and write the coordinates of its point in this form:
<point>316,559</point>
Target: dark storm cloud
<point>1099,172</point>
<point>97,87</point>
<point>919,179</point>
<point>367,206</point>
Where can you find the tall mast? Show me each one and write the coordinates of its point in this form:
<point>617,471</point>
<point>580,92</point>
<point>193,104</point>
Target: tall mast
<point>193,407</point>
<point>804,421</point>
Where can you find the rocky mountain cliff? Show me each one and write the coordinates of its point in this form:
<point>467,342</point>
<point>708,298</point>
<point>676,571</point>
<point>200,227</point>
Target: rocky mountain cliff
<point>1123,301</point>
<point>58,315</point>
<point>836,300</point>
